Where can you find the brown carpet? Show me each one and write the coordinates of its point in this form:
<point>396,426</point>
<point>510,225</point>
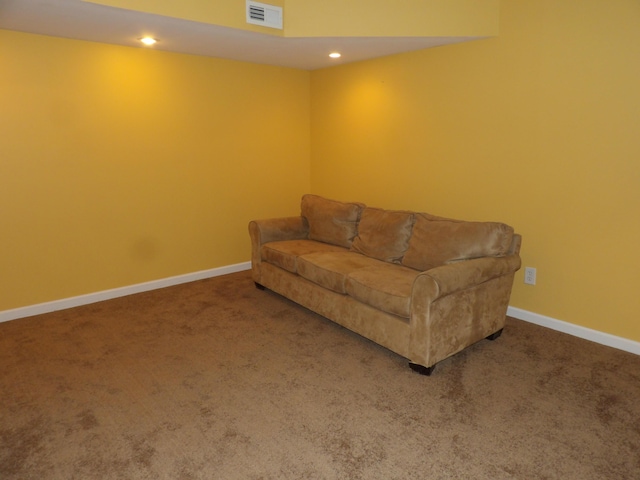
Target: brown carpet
<point>217,380</point>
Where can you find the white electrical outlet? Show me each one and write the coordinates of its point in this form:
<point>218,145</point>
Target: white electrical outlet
<point>530,275</point>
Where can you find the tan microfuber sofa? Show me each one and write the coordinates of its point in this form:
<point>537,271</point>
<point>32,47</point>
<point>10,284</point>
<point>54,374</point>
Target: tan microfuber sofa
<point>423,286</point>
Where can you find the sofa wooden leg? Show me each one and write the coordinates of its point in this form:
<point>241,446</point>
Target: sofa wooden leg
<point>495,335</point>
<point>259,287</point>
<point>421,369</point>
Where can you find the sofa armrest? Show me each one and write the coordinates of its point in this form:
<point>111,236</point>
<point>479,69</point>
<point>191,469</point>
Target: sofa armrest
<point>276,229</point>
<point>458,304</point>
<point>453,277</point>
<point>273,230</point>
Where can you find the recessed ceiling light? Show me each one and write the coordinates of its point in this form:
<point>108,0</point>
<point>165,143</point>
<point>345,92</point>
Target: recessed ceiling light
<point>148,40</point>
<point>335,55</point>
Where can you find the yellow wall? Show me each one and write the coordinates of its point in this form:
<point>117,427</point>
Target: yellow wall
<point>338,18</point>
<point>406,18</point>
<point>538,128</point>
<point>121,165</point>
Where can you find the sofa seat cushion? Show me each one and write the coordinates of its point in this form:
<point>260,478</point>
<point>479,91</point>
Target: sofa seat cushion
<point>331,269</point>
<point>437,241</point>
<point>386,287</point>
<point>331,221</point>
<point>383,234</point>
<point>285,253</point>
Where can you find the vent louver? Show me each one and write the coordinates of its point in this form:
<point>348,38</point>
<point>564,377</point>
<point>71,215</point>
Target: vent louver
<point>263,14</point>
<point>256,13</point>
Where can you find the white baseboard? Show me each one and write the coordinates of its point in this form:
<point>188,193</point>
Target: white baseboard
<point>71,302</point>
<point>576,330</point>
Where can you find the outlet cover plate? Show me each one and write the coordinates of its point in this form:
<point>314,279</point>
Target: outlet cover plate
<point>530,275</point>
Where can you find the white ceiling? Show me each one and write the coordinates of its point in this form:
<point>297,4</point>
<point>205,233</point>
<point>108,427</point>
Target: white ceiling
<point>97,23</point>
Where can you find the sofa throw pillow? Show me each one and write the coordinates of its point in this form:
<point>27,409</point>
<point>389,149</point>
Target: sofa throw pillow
<point>331,221</point>
<point>437,242</point>
<point>383,234</point>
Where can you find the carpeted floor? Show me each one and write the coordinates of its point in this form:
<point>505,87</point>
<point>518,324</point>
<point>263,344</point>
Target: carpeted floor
<point>217,380</point>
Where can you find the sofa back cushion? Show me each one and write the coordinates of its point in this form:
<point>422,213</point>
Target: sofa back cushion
<point>331,221</point>
<point>436,241</point>
<point>383,234</point>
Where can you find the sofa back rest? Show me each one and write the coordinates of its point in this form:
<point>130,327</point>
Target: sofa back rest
<point>384,234</point>
<point>331,221</point>
<point>436,241</point>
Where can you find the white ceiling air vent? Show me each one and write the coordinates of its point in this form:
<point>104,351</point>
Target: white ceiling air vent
<point>263,14</point>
